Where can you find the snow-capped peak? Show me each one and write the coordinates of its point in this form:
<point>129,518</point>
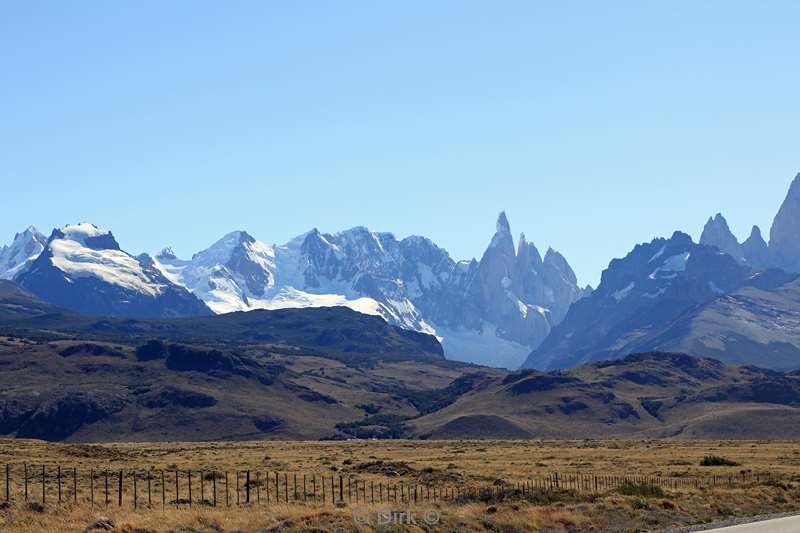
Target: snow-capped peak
<point>26,247</point>
<point>82,232</point>
<point>82,268</point>
<point>86,251</point>
<point>231,274</point>
<point>410,282</point>
<point>221,251</point>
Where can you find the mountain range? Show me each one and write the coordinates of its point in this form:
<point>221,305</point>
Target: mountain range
<point>491,311</point>
<point>720,298</point>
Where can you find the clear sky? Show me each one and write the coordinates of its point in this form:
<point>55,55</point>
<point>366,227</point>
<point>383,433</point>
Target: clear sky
<point>595,125</point>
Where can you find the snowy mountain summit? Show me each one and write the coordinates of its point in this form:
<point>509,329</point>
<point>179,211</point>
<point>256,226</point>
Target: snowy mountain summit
<point>82,268</point>
<point>491,311</point>
<point>21,252</point>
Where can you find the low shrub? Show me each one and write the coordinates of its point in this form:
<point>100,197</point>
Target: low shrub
<point>717,460</point>
<point>639,504</point>
<point>642,490</point>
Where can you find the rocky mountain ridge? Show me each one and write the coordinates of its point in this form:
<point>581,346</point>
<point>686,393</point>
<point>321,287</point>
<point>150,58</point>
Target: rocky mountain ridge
<point>783,249</point>
<point>730,300</point>
<point>649,287</point>
<point>491,311</point>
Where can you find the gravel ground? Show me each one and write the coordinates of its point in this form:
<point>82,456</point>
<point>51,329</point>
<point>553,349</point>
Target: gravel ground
<point>729,522</point>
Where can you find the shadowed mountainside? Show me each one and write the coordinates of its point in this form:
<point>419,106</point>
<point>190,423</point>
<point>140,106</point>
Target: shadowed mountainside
<point>331,373</point>
<point>643,395</point>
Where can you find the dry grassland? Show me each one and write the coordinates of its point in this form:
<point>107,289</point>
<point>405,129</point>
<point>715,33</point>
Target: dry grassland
<point>444,463</point>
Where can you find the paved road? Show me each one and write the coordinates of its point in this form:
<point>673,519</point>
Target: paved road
<point>789,524</point>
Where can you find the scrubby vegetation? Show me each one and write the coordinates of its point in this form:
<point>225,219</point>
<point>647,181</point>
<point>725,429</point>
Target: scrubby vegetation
<point>485,476</point>
<point>642,490</point>
<point>717,460</point>
<point>375,427</point>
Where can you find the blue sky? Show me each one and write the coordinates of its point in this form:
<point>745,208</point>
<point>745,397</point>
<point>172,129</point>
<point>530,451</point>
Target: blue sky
<point>595,125</point>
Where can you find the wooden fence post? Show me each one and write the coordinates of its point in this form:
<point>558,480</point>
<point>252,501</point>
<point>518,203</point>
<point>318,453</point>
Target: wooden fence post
<point>258,487</point>
<point>247,487</point>
<point>149,489</point>
<point>58,482</point>
<point>8,483</point>
<point>119,487</point>
<point>163,491</point>
<point>177,489</point>
<point>341,489</point>
<point>25,467</point>
<point>135,492</point>
<point>227,497</point>
<point>238,500</point>
<point>189,475</point>
<point>286,487</point>
<point>91,488</point>
<point>214,486</point>
<point>75,485</point>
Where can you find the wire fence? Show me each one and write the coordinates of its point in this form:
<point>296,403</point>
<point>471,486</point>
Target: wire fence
<point>156,488</point>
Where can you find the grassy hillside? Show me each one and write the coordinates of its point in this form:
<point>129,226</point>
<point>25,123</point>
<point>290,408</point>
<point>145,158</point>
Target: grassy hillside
<point>653,394</point>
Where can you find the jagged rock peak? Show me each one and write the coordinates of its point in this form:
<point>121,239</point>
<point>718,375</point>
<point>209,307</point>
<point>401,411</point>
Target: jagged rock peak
<point>527,254</point>
<point>755,237</point>
<point>16,257</point>
<point>31,231</point>
<point>553,256</point>
<point>783,242</point>
<point>167,253</point>
<point>755,249</point>
<point>717,233</point>
<point>554,259</point>
<point>679,237</point>
<point>502,238</point>
<point>502,225</point>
